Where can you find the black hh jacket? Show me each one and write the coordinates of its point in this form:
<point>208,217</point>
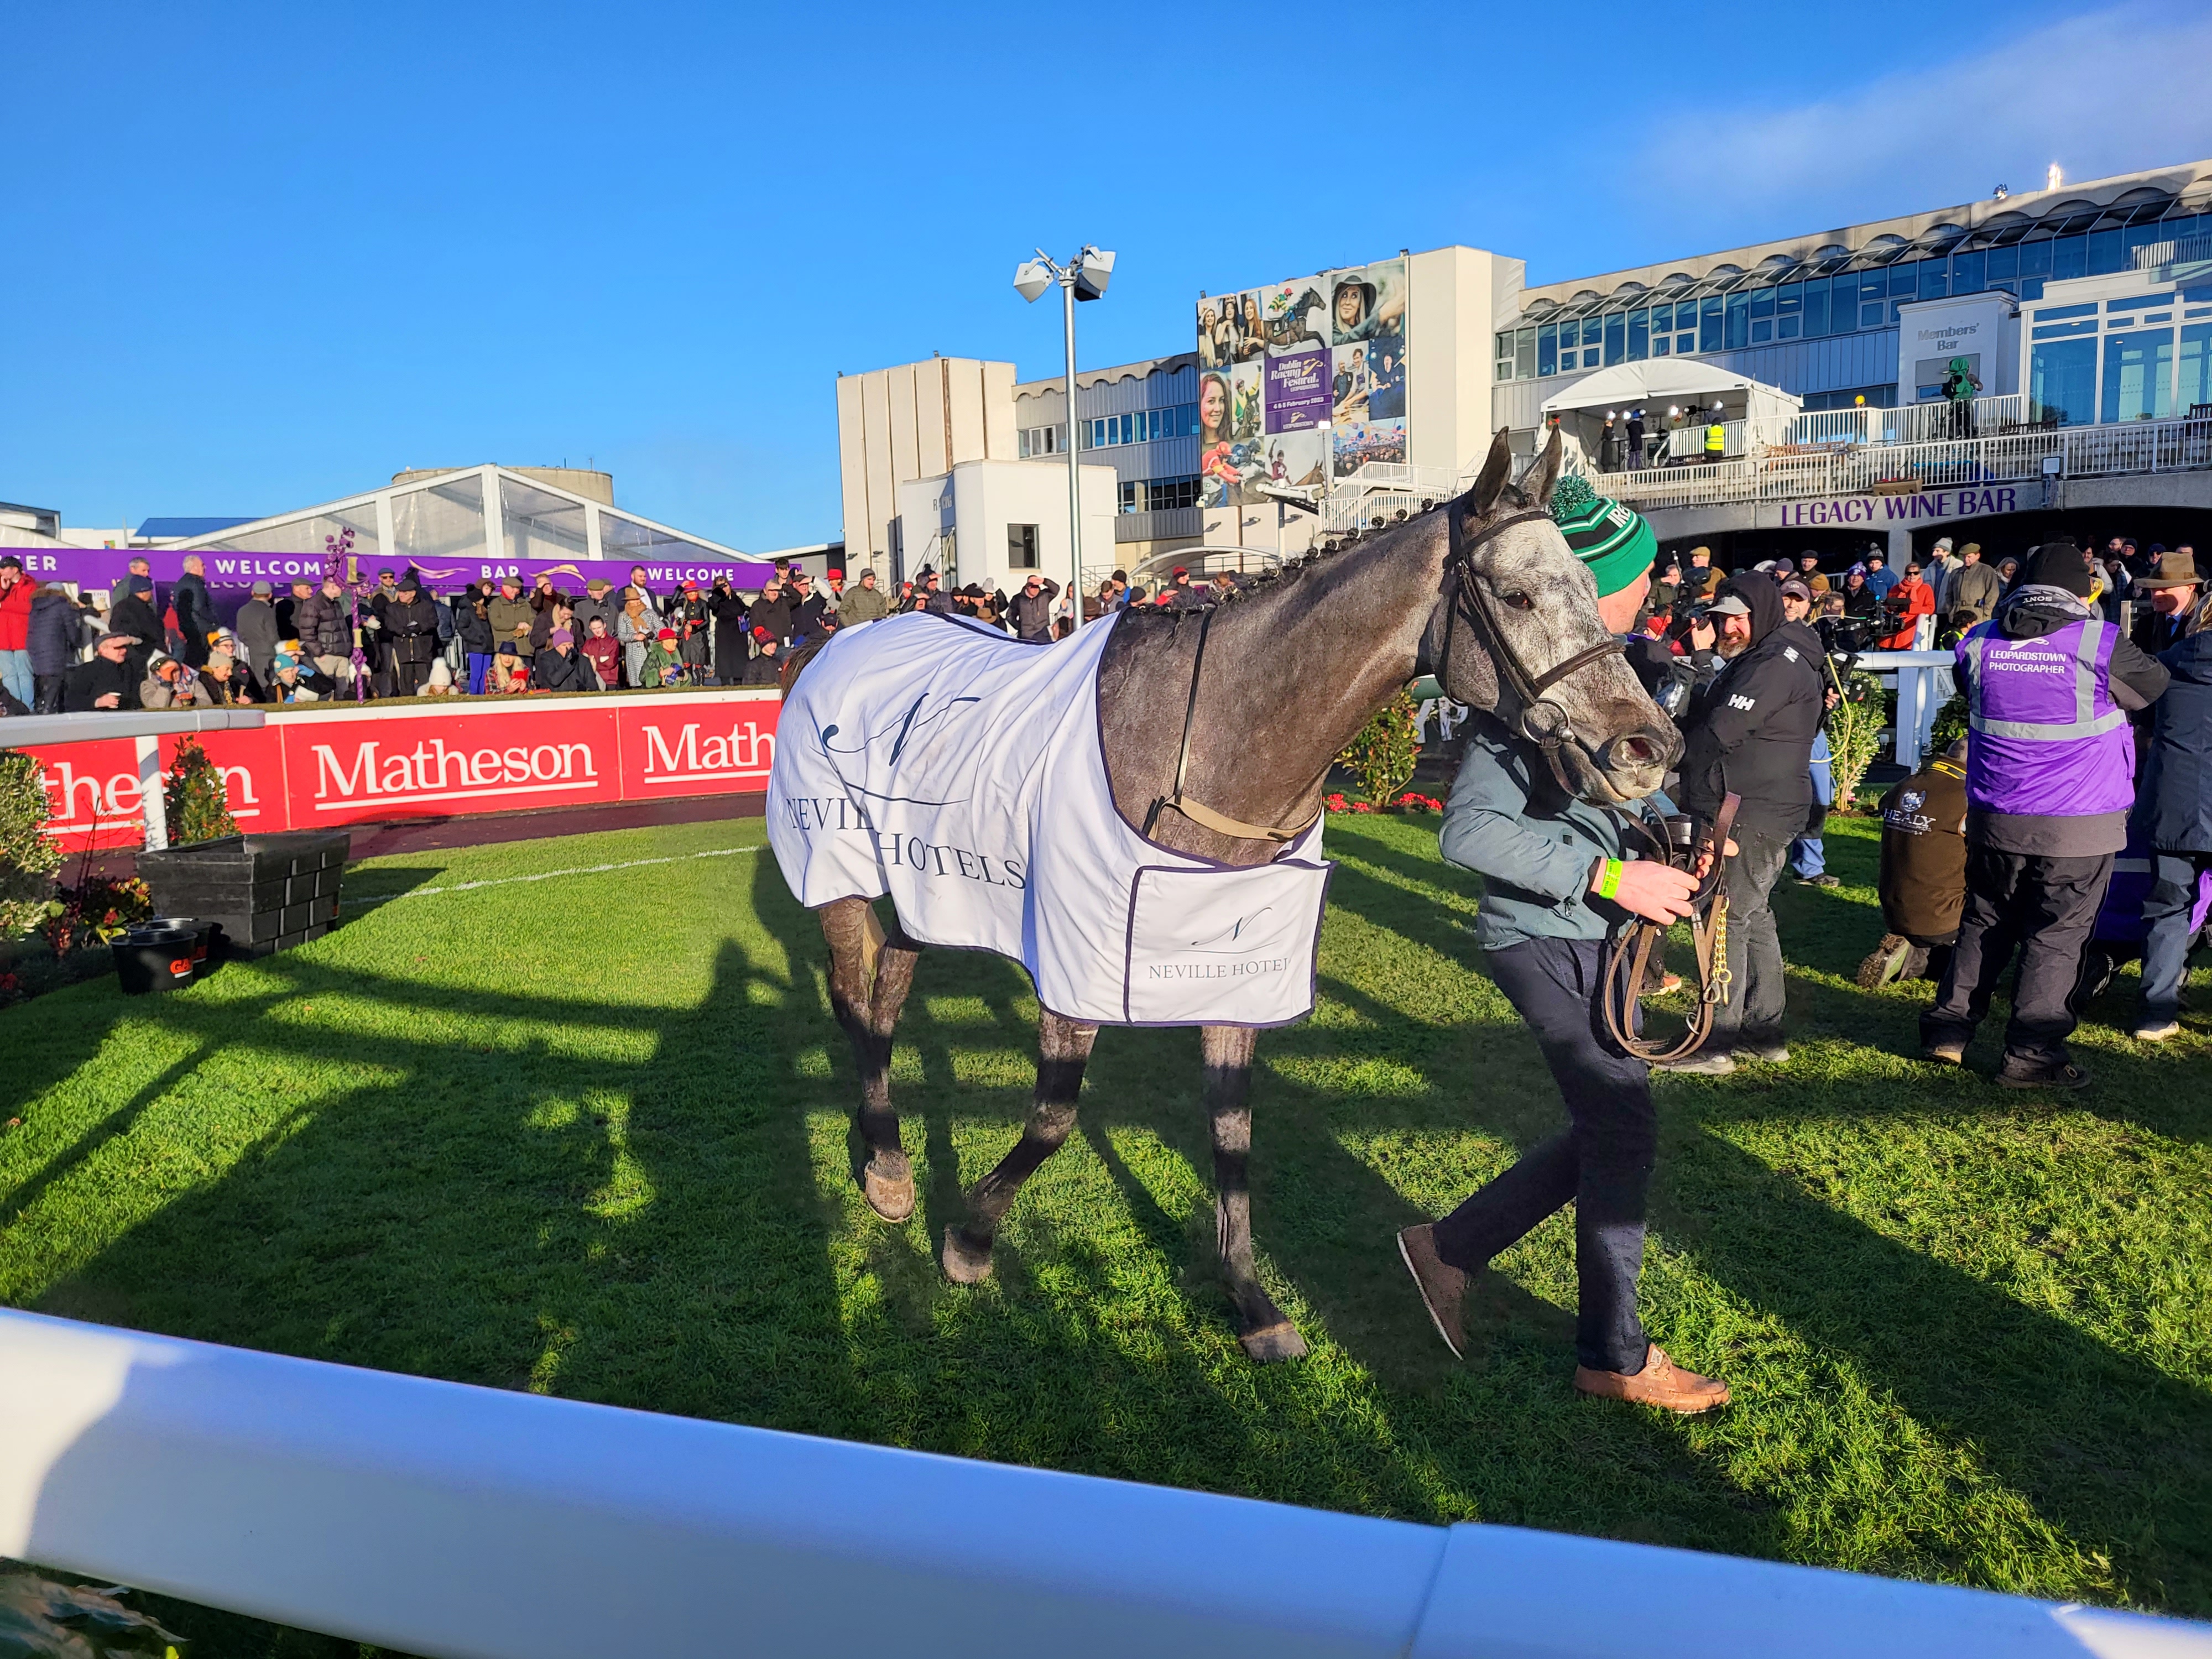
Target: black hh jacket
<point>1752,729</point>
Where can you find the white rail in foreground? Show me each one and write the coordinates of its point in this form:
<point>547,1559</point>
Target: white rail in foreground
<point>450,1521</point>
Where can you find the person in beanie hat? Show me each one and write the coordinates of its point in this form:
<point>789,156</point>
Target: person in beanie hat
<point>2050,777</point>
<point>863,602</point>
<point>1560,878</point>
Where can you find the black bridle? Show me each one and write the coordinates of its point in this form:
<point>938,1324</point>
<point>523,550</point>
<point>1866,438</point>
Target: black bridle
<point>1543,723</point>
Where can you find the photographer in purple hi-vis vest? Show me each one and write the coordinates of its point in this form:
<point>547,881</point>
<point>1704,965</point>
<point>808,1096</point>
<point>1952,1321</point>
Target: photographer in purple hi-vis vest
<point>2050,771</point>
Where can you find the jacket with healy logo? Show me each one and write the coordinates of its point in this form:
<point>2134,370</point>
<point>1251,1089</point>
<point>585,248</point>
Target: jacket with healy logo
<point>1751,730</point>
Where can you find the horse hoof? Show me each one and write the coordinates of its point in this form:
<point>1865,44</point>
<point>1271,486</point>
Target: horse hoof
<point>891,1200</point>
<point>1280,1341</point>
<point>965,1262</point>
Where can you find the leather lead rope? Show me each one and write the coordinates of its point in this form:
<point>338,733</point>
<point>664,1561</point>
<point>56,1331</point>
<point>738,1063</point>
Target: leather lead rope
<point>1629,957</point>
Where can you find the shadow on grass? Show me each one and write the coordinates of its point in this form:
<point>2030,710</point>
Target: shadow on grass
<point>494,1200</point>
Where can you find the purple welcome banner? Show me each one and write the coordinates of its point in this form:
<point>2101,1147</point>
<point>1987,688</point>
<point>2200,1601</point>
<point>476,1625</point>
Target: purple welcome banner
<point>103,567</point>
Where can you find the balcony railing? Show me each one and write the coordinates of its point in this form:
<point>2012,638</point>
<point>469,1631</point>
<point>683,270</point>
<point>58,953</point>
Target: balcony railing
<point>1784,474</point>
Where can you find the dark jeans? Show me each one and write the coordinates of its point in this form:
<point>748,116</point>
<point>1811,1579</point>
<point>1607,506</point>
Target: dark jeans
<point>1752,1016</point>
<point>1602,1162</point>
<point>2045,907</point>
<point>2166,943</point>
<point>47,699</point>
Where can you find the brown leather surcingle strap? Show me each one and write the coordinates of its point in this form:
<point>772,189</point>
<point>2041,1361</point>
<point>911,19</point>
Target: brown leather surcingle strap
<point>1198,812</point>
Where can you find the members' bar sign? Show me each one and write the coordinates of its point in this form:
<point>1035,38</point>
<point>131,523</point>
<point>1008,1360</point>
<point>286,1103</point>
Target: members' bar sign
<point>1900,509</point>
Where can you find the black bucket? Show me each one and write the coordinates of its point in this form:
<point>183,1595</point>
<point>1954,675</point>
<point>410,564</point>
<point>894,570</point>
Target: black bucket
<point>164,953</point>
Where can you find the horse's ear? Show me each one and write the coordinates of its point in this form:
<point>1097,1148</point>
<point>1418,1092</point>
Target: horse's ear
<point>1546,474</point>
<point>1490,482</point>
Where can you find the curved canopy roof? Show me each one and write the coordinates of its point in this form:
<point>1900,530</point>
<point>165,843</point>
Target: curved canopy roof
<point>1656,379</point>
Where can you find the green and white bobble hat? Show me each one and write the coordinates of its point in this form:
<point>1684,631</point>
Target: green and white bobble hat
<point>1614,541</point>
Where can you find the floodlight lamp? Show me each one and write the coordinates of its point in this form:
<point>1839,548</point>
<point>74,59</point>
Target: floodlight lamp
<point>1031,279</point>
<point>1093,271</point>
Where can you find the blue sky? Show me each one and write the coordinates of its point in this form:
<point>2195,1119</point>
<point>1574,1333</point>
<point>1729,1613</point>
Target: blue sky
<point>261,259</point>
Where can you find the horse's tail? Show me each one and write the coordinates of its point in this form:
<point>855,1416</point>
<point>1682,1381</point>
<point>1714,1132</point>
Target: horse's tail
<point>795,664</point>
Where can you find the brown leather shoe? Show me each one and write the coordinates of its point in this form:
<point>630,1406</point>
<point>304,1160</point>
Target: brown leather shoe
<point>1662,1382</point>
<point>1443,1286</point>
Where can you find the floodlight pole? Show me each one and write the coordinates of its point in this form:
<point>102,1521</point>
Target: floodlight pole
<point>1074,472</point>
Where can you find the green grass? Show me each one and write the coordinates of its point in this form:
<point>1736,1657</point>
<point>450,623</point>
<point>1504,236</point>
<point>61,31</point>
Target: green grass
<point>588,1135</point>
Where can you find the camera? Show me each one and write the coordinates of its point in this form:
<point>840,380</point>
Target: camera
<point>1844,636</point>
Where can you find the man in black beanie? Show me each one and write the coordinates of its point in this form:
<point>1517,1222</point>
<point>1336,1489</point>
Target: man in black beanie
<point>2050,776</point>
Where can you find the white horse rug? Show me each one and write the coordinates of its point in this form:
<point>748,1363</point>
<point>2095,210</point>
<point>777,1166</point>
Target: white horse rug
<point>960,771</point>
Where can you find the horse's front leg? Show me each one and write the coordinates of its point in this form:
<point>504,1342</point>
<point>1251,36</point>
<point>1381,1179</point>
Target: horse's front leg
<point>1260,1326</point>
<point>1063,1051</point>
<point>866,996</point>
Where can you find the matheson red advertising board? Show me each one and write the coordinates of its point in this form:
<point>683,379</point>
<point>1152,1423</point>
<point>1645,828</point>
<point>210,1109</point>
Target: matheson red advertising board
<point>307,769</point>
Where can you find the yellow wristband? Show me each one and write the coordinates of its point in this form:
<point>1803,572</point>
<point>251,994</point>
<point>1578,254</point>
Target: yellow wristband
<point>1608,881</point>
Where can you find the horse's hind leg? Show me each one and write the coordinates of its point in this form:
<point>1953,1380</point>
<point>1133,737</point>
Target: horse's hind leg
<point>1063,1050</point>
<point>869,978</point>
<point>1260,1326</point>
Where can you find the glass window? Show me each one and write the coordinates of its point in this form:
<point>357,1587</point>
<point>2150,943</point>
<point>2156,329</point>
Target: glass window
<point>444,522</point>
<point>1709,323</point>
<point>1935,279</point>
<point>1504,354</point>
<point>1616,337</point>
<point>2060,331</point>
<point>305,536</point>
<point>1663,346</point>
<point>1762,303</point>
<point>1816,308</point>
<point>1547,349</point>
<point>1639,336</point>
<point>2070,256</point>
<point>2035,258</point>
<point>1966,272</point>
<point>2139,375</point>
<point>2195,366</point>
<point>2107,252</point>
<point>2031,287</point>
<point>1905,279</point>
<point>2144,236</point>
<point>1739,321</point>
<point>2053,313</point>
<point>640,543</point>
<point>2136,302</point>
<point>1762,330</point>
<point>2004,264</point>
<point>1593,335</point>
<point>538,523</point>
<point>2062,380</point>
<point>1524,355</point>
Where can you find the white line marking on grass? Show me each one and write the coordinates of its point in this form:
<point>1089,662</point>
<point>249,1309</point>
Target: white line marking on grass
<point>549,875</point>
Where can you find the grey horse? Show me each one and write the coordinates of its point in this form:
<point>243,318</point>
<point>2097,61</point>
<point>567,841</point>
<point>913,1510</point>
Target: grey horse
<point>1482,592</point>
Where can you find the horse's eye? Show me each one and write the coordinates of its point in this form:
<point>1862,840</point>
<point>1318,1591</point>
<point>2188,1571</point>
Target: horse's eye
<point>1520,601</point>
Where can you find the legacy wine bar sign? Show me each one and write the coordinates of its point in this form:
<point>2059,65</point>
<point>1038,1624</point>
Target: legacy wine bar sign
<point>1916,508</point>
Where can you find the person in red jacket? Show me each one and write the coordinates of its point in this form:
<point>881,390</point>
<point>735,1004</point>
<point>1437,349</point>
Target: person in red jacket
<point>1908,602</point>
<point>15,594</point>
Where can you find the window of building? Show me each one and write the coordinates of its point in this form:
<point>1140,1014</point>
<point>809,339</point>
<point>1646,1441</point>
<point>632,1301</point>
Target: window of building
<point>2107,252</point>
<point>1616,338</point>
<point>1167,494</point>
<point>1547,349</point>
<point>2069,258</point>
<point>1505,355</point>
<point>1042,441</point>
<point>1708,323</point>
<point>1524,353</point>
<point>2062,380</point>
<point>2139,375</point>
<point>1139,426</point>
<point>1966,272</point>
<point>2195,366</point>
<point>1639,336</point>
<point>1816,308</point>
<point>1021,547</point>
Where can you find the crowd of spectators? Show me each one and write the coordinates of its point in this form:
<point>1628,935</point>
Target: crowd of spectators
<point>394,636</point>
<point>2006,847</point>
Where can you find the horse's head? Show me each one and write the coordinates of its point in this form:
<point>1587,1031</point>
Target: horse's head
<point>1517,632</point>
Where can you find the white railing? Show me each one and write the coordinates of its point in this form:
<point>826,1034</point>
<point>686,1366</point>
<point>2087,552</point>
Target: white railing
<point>2191,250</point>
<point>1913,423</point>
<point>1686,443</point>
<point>451,1521</point>
<point>2083,451</point>
<point>147,727</point>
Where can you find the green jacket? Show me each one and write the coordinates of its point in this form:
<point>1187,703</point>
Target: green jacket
<point>860,604</point>
<point>507,615</point>
<point>1534,853</point>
